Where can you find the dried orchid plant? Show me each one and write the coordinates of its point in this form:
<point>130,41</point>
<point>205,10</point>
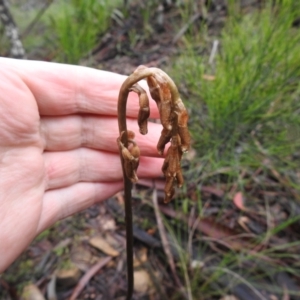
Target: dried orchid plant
<point>174,118</point>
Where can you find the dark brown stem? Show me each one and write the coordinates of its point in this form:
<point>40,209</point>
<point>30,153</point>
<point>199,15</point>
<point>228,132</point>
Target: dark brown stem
<point>122,101</point>
<point>139,74</point>
<point>129,236</point>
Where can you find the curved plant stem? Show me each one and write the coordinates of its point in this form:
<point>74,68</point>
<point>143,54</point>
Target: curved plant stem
<point>122,102</point>
<point>139,74</point>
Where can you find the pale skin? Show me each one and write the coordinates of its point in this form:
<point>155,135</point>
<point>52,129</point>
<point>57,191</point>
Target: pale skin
<point>58,150</point>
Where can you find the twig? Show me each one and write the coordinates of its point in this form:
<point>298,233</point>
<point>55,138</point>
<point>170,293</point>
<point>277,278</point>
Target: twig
<point>88,275</point>
<point>11,31</point>
<point>185,27</point>
<point>163,236</point>
<point>213,52</point>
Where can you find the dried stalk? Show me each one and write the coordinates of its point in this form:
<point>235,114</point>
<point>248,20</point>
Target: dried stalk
<point>174,117</point>
<point>164,239</point>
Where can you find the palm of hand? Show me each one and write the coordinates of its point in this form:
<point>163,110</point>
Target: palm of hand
<point>21,163</point>
<point>58,153</point>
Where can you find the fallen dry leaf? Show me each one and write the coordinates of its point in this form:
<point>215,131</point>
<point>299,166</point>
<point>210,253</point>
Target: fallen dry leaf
<point>82,258</point>
<point>106,222</point>
<point>238,200</point>
<point>112,240</point>
<point>32,292</point>
<point>142,281</point>
<point>229,297</point>
<point>68,277</point>
<point>102,245</point>
<point>140,257</point>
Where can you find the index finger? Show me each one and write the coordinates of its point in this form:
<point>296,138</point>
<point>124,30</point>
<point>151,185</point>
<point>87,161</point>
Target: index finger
<point>61,89</point>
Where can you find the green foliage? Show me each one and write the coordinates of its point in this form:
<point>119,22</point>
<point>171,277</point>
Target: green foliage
<point>66,31</point>
<point>244,108</point>
<point>250,110</point>
<point>77,28</point>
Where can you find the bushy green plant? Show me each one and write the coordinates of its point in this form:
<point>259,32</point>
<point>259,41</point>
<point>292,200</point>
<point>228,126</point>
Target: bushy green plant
<point>244,114</point>
<point>251,108</point>
<point>77,29</point>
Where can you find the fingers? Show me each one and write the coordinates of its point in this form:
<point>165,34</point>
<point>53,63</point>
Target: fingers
<point>74,131</point>
<point>61,203</point>
<point>86,165</point>
<point>65,89</point>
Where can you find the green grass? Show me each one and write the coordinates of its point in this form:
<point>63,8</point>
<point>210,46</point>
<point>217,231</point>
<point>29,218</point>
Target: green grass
<point>250,111</point>
<point>78,29</point>
<point>67,31</point>
<point>246,118</point>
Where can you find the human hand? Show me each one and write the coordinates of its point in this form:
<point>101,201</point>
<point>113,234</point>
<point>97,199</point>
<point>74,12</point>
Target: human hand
<point>58,151</point>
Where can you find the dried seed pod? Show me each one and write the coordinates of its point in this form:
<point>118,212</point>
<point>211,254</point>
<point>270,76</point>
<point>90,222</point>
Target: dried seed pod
<point>161,93</point>
<point>174,118</point>
<point>134,149</point>
<point>130,135</point>
<point>135,160</point>
<point>182,117</point>
<point>144,111</point>
<point>185,137</point>
<point>169,189</point>
<point>165,165</point>
<point>163,140</point>
<point>131,164</point>
<point>173,156</point>
<point>179,178</point>
<point>171,167</point>
<point>143,116</point>
<point>165,110</point>
<point>131,157</point>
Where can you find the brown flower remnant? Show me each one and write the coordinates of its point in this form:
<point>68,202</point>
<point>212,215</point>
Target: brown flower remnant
<point>144,111</point>
<point>131,156</point>
<point>174,118</point>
